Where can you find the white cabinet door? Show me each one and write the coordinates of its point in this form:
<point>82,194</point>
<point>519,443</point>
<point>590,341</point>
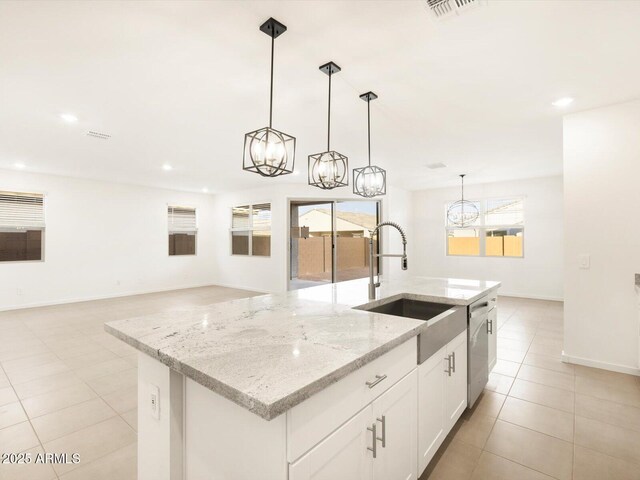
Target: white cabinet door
<point>456,381</point>
<point>492,327</point>
<point>431,386</point>
<point>341,456</point>
<point>396,416</point>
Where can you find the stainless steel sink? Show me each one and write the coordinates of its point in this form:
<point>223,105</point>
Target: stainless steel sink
<point>444,322</point>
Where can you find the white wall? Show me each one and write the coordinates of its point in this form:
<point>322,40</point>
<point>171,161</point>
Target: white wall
<point>104,239</point>
<point>538,275</point>
<point>269,274</point>
<point>602,204</point>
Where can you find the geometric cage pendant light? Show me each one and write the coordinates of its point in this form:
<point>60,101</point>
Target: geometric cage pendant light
<point>463,212</point>
<point>369,181</point>
<point>329,169</point>
<point>267,151</point>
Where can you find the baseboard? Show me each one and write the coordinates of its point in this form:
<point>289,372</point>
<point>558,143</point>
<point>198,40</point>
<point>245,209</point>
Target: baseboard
<point>529,296</point>
<point>614,367</point>
<point>128,293</point>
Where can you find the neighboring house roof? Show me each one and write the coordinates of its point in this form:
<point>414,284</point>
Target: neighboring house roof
<point>319,219</point>
<point>366,220</point>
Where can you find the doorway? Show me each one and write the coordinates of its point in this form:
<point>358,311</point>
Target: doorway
<point>329,241</point>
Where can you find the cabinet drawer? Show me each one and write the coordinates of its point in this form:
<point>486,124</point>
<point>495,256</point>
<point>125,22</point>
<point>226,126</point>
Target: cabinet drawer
<point>315,418</point>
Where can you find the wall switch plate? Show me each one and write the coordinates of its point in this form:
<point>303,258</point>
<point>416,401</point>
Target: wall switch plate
<point>584,261</point>
<point>154,401</point>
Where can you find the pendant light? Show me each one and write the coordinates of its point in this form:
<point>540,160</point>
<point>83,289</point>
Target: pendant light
<point>267,151</point>
<point>369,181</point>
<point>329,169</point>
<point>463,212</point>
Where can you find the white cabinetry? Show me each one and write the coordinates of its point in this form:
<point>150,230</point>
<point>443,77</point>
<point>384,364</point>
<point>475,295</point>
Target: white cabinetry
<point>442,397</point>
<point>492,329</point>
<point>380,442</point>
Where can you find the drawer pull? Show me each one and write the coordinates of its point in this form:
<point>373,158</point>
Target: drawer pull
<point>490,327</point>
<point>453,356</point>
<point>373,448</point>
<point>448,370</point>
<point>378,379</point>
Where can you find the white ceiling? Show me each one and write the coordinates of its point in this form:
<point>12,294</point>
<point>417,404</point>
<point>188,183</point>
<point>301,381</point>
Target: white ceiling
<point>180,82</point>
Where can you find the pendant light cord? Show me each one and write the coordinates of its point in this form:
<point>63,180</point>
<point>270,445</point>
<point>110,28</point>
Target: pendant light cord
<point>329,114</point>
<point>273,41</point>
<point>369,127</point>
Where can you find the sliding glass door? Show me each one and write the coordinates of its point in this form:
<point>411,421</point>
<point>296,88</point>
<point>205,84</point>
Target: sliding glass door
<point>329,241</point>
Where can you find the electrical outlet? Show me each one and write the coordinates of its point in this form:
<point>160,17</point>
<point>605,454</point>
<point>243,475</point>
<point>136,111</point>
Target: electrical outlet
<point>154,401</point>
<point>584,261</point>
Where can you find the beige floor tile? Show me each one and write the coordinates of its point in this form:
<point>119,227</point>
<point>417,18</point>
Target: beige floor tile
<point>609,439</point>
<point>98,355</point>
<point>36,372</point>
<point>457,462</point>
<point>606,391</point>
<point>547,377</point>
<point>115,381</point>
<point>505,367</point>
<point>25,363</point>
<point>18,438</point>
<point>511,355</point>
<point>68,420</point>
<point>92,442</point>
<point>11,413</point>
<point>499,383</point>
<point>7,395</point>
<point>131,417</point>
<point>489,404</point>
<point>512,344</point>
<point>493,467</point>
<point>123,400</point>
<point>543,349</point>
<point>548,362</point>
<point>31,471</point>
<point>52,401</point>
<point>591,465</point>
<point>515,335</point>
<point>536,417</point>
<point>47,384</point>
<point>97,370</point>
<point>120,465</point>
<point>557,398</point>
<point>535,450</point>
<point>608,412</point>
<point>474,431</point>
<point>617,380</point>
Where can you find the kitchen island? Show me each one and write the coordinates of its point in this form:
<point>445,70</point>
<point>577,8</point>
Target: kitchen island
<point>267,387</point>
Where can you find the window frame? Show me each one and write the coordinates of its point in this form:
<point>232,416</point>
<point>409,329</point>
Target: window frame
<point>195,231</point>
<point>483,227</point>
<point>250,229</point>
<point>42,229</point>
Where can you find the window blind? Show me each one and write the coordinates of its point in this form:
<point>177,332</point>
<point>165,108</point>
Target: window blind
<point>182,220</point>
<point>21,210</point>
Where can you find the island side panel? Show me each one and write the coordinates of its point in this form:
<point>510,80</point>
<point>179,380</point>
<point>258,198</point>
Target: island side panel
<point>224,441</point>
<point>160,436</point>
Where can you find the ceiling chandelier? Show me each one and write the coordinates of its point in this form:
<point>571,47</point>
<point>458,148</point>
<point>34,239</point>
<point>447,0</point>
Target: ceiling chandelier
<point>329,169</point>
<point>463,212</point>
<point>267,151</point>
<point>369,181</point>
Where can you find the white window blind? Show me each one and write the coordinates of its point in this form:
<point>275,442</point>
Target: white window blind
<point>182,220</point>
<point>21,211</point>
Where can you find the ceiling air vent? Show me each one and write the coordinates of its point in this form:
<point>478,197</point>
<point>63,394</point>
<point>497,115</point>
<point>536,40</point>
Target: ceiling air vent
<point>103,136</point>
<point>435,166</point>
<point>441,9</point>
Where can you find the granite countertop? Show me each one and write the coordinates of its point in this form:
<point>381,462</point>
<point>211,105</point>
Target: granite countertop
<point>271,352</point>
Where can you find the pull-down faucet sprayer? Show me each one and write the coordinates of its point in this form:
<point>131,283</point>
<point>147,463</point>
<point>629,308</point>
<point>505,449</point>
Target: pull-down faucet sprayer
<point>403,256</point>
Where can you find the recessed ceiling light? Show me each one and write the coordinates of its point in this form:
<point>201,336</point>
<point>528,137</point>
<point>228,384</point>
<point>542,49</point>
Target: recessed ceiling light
<point>563,102</point>
<point>296,172</point>
<point>166,167</point>
<point>69,117</point>
<point>205,190</point>
<point>19,165</point>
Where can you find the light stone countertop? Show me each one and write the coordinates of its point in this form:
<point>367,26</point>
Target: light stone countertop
<point>271,352</point>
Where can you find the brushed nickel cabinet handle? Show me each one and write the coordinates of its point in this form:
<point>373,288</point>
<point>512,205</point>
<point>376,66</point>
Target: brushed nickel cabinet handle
<point>453,355</point>
<point>378,379</point>
<point>448,370</point>
<point>490,326</point>
<point>373,448</point>
<point>383,420</point>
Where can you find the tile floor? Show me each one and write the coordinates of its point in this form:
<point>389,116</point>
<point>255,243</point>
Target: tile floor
<point>540,418</point>
<point>66,386</point>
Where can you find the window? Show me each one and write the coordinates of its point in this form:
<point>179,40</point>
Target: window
<point>183,230</point>
<point>21,226</point>
<point>251,230</point>
<point>498,232</point>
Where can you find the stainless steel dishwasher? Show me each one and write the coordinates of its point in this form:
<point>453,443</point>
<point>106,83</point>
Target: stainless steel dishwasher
<point>478,349</point>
